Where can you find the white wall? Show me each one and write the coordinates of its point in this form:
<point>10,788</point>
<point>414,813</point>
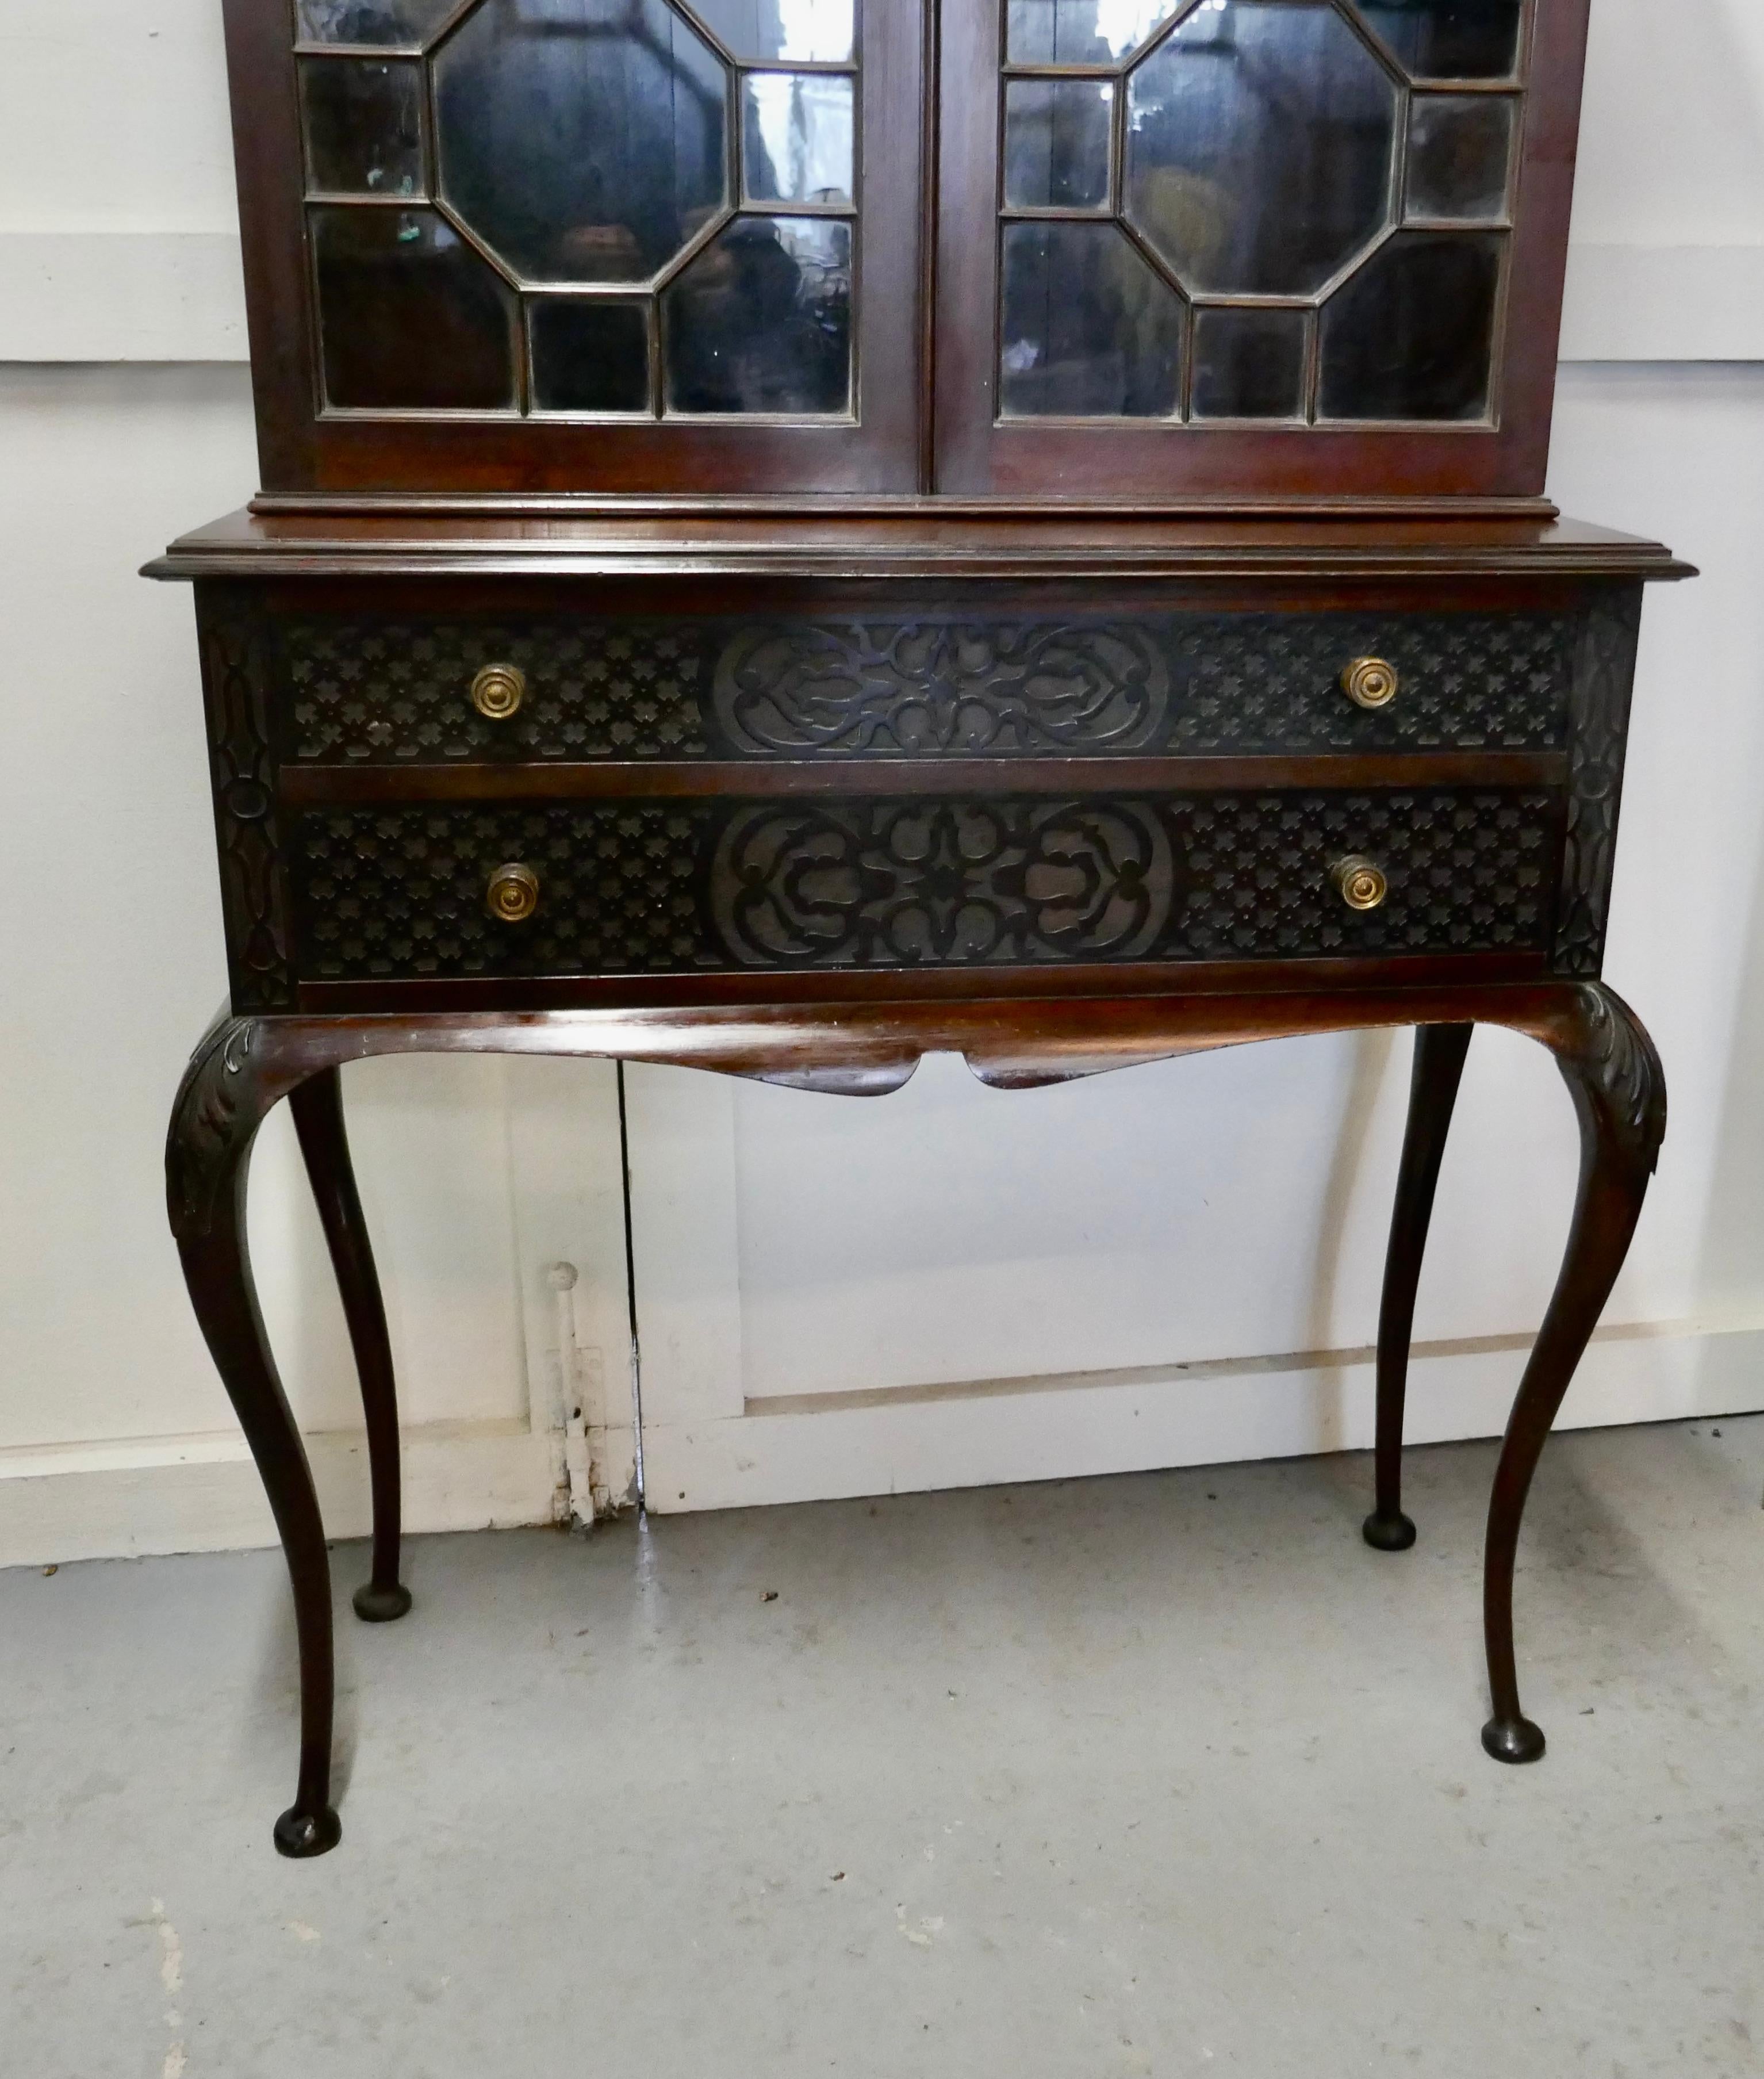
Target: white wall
<point>116,246</point>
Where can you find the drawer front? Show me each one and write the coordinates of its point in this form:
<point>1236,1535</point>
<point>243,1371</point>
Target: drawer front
<point>689,887</point>
<point>360,692</point>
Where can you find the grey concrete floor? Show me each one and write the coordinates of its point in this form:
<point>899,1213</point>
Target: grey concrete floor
<point>1167,1774</point>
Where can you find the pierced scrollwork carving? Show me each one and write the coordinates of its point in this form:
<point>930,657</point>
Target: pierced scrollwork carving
<point>944,883</point>
<point>1604,674</point>
<point>254,899</point>
<point>957,688</point>
<point>216,1113</point>
<point>1614,1061</point>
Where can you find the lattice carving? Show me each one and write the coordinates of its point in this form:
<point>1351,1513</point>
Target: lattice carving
<point>237,685</point>
<point>1468,872</point>
<point>686,888</point>
<point>401,891</point>
<point>893,884</point>
<point>1604,676</point>
<point>1271,682</point>
<point>959,689</point>
<point>378,693</point>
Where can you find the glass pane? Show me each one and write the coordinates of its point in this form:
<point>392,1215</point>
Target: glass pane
<point>1056,143</point>
<point>582,140</point>
<point>1260,134</point>
<point>1249,364</point>
<point>1080,31</point>
<point>1460,146</point>
<point>409,318</point>
<point>816,31</point>
<point>378,22</point>
<point>1089,330</point>
<point>1450,39</point>
<point>1412,335</point>
<point>761,320</point>
<point>362,118</point>
<point>589,355</point>
<point>797,137</point>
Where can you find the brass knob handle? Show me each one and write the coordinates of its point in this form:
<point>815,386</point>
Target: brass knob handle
<point>512,895</point>
<point>1360,884</point>
<point>1368,682</point>
<point>498,690</point>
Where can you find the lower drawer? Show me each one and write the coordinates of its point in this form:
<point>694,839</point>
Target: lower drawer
<point>698,886</point>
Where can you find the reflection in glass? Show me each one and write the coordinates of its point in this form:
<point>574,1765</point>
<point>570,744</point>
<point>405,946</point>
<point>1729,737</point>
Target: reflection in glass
<point>796,136</point>
<point>761,319</point>
<point>410,317</point>
<point>1080,31</point>
<point>1260,134</point>
<point>1450,39</point>
<point>582,140</point>
<point>1460,146</point>
<point>1056,143</point>
<point>1248,364</point>
<point>812,32</point>
<point>363,120</point>
<point>1412,335</point>
<point>589,354</point>
<point>381,24</point>
<point>1088,330</point>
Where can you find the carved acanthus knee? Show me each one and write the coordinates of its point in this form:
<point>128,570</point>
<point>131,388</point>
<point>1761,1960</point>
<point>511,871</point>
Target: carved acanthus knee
<point>1604,1051</point>
<point>220,1104</point>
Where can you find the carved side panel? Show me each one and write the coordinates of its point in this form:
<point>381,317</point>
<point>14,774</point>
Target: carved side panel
<point>1604,678</point>
<point>238,688</point>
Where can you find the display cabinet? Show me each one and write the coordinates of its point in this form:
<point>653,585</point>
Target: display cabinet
<point>795,533</point>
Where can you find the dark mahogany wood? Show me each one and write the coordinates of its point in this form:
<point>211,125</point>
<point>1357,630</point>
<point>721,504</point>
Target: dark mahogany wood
<point>1151,823</point>
<point>1439,1063</point>
<point>979,454</point>
<point>317,1107</point>
<point>245,1065</point>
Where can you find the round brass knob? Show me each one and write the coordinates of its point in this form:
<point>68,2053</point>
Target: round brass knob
<point>1368,682</point>
<point>498,690</point>
<point>1360,884</point>
<point>512,895</point>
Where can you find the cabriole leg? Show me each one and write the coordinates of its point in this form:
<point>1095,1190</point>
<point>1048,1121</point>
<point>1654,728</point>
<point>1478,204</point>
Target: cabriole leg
<point>1619,1090</point>
<point>220,1105</point>
<point>1439,1065</point>
<point>317,1106</point>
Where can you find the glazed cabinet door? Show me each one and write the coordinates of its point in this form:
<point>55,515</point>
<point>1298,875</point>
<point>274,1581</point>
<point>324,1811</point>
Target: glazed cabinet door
<point>1279,247</point>
<point>583,244</point>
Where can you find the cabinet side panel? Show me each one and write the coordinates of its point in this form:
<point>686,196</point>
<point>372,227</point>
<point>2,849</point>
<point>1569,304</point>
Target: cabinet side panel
<point>238,681</point>
<point>1604,681</point>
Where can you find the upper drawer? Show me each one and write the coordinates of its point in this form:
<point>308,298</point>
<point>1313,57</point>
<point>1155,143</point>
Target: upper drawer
<point>374,693</point>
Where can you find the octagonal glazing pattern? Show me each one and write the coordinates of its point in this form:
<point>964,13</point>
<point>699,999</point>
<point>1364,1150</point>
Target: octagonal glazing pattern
<point>1260,136</point>
<point>578,160</point>
<point>582,140</point>
<point>1272,162</point>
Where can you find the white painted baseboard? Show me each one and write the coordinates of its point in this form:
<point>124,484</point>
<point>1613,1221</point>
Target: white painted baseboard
<point>202,1494</point>
<point>1005,1430</point>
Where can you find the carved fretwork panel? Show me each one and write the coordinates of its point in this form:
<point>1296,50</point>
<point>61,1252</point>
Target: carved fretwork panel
<point>1468,682</point>
<point>698,886</point>
<point>965,689</point>
<point>1604,676</point>
<point>401,891</point>
<point>239,690</point>
<point>386,693</point>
